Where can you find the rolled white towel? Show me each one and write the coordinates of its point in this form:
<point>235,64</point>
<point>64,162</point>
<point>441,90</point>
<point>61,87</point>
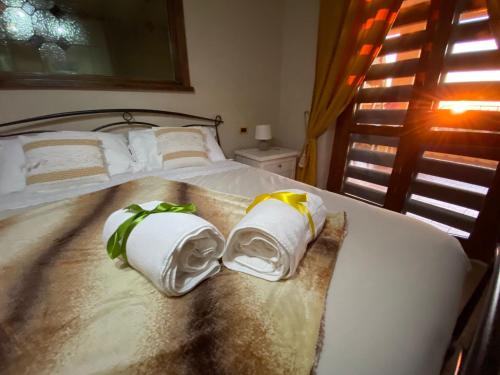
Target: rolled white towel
<point>271,239</point>
<point>176,251</point>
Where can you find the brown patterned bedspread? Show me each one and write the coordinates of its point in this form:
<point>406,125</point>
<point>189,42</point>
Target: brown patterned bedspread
<point>65,307</point>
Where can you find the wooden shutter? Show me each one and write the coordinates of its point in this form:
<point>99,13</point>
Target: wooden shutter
<point>376,118</point>
<point>459,155</point>
<point>422,137</point>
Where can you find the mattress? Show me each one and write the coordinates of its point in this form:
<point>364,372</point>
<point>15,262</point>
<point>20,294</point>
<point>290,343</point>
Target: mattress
<point>396,290</point>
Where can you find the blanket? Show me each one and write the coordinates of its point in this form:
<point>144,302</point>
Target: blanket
<point>65,307</point>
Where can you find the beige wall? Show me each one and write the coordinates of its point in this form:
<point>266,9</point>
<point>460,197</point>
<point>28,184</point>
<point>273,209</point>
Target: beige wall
<point>234,60</point>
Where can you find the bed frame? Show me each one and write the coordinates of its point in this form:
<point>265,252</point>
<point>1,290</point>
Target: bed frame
<point>482,358</point>
<point>127,120</point>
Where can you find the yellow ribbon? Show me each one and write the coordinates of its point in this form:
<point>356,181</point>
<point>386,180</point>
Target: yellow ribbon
<point>292,199</point>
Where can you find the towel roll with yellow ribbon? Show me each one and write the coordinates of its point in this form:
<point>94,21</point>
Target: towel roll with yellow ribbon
<point>272,237</point>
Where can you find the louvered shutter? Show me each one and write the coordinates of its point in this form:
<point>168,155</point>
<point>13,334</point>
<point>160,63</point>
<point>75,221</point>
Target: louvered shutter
<point>459,156</point>
<point>422,135</point>
<point>381,105</point>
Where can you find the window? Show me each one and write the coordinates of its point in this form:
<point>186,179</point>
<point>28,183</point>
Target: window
<point>422,136</point>
<point>93,44</point>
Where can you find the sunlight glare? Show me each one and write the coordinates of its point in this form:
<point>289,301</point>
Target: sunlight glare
<point>459,107</point>
<point>469,105</point>
<point>475,46</point>
<point>473,76</point>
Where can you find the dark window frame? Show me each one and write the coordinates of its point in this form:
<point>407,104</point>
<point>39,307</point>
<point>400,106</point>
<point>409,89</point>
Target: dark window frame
<point>55,81</point>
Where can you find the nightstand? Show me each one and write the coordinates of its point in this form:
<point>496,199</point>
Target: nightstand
<point>278,160</point>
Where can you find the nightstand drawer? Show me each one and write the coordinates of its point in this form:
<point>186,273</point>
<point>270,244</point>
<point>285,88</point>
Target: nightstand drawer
<point>276,160</point>
<point>283,167</point>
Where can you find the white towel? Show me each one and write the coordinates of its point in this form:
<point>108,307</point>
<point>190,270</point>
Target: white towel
<point>271,239</point>
<point>176,251</point>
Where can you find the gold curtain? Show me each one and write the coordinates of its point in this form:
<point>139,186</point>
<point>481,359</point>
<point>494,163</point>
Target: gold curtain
<point>494,13</point>
<point>349,38</point>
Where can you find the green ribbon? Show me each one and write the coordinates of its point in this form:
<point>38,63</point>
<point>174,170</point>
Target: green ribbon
<point>117,243</point>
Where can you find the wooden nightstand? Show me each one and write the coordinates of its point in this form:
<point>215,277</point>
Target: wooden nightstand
<point>278,160</point>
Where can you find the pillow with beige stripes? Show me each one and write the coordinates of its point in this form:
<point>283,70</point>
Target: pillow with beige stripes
<point>62,159</point>
<point>181,147</point>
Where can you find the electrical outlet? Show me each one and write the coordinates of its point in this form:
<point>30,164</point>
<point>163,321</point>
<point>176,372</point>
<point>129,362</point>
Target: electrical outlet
<point>243,130</point>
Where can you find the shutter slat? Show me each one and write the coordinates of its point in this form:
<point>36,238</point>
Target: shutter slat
<point>482,140</point>
<point>370,175</point>
<point>472,150</point>
<point>388,131</point>
<point>471,31</point>
<point>448,194</point>
<point>405,42</point>
<point>455,171</point>
<point>375,139</point>
<point>473,5</point>
<point>385,94</point>
<point>476,145</point>
<point>441,215</point>
<point>385,159</point>
<point>412,14</point>
<point>398,69</point>
<point>371,195</point>
<point>473,61</point>
<point>380,116</point>
<point>487,91</point>
<point>479,120</point>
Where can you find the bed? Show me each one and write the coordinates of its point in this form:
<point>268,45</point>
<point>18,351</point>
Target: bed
<point>396,291</point>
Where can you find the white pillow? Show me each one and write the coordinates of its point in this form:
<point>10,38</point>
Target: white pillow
<point>116,152</point>
<point>63,159</point>
<point>181,147</point>
<point>118,156</point>
<point>12,166</point>
<point>142,144</point>
<point>215,152</point>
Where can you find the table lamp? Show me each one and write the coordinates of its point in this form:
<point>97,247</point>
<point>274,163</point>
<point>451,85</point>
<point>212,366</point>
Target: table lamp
<point>263,135</point>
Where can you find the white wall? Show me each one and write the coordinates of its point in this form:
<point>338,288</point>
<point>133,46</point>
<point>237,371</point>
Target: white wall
<point>250,61</point>
<point>234,61</point>
<point>298,56</point>
<point>298,60</point>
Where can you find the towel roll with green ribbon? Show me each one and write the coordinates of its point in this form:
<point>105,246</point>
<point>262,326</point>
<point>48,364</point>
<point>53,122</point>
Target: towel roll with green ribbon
<point>166,242</point>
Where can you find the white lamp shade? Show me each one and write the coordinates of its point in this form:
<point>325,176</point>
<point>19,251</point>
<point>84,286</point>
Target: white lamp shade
<point>263,132</point>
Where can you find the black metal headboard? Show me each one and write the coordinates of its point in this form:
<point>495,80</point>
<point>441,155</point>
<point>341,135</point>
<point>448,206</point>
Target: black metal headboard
<point>127,115</point>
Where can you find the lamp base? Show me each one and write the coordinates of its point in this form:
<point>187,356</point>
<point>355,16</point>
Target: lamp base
<point>264,145</point>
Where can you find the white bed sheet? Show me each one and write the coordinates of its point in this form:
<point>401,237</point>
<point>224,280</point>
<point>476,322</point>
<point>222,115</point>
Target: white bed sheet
<point>396,288</point>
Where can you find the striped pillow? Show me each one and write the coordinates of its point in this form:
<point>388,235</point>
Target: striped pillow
<point>58,158</point>
<point>181,147</point>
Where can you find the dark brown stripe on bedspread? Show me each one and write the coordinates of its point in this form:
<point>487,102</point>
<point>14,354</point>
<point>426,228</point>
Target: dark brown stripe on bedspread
<point>219,321</point>
<point>182,196</point>
<point>199,353</point>
<point>29,287</point>
<point>175,357</point>
<point>202,353</point>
